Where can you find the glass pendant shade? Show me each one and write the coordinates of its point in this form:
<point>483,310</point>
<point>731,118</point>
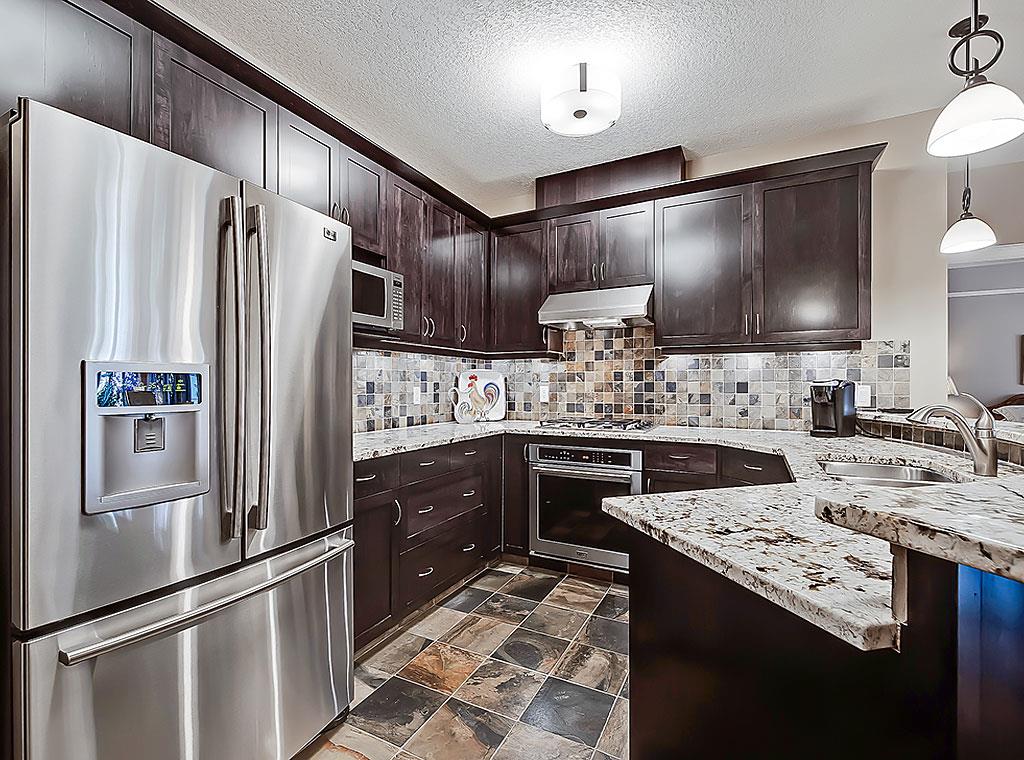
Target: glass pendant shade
<point>580,100</point>
<point>983,115</point>
<point>968,233</point>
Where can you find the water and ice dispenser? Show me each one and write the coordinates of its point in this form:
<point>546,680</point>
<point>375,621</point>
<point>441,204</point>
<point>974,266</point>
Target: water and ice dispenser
<point>147,433</point>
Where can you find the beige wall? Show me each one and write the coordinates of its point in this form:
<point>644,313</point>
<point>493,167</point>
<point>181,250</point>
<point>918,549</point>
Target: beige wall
<point>908,220</point>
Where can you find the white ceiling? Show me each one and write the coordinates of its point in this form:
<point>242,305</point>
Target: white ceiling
<point>452,87</point>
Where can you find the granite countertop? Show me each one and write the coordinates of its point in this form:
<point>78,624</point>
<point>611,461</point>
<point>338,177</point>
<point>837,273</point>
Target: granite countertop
<point>771,540</point>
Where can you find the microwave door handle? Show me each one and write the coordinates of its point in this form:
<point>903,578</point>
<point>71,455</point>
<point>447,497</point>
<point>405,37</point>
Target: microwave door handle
<point>235,503</point>
<point>259,225</point>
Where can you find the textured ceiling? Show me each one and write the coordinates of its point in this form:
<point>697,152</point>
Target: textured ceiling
<point>452,87</point>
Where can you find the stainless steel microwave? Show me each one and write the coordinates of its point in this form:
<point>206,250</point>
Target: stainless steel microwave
<point>378,297</point>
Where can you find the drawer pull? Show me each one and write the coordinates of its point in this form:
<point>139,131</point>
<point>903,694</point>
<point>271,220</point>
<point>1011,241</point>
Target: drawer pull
<point>469,453</point>
<point>427,464</point>
<point>426,510</point>
<point>753,467</point>
<point>469,548</point>
<point>468,494</point>
<point>678,457</point>
<point>426,572</point>
<point>399,505</point>
<point>367,479</point>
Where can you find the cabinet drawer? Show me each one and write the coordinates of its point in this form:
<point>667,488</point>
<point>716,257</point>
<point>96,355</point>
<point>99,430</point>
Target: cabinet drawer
<point>372,476</point>
<point>663,481</point>
<point>754,467</point>
<point>423,464</point>
<point>430,566</point>
<point>681,457</point>
<point>472,452</point>
<point>436,501</point>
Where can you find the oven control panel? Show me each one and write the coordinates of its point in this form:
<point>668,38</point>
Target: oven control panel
<point>591,457</point>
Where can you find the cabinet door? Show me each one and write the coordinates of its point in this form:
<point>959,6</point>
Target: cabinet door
<point>516,497</point>
<point>518,287</point>
<point>374,561</point>
<point>201,113</point>
<point>471,286</point>
<point>438,293</point>
<point>573,263</point>
<point>702,266</point>
<point>812,257</point>
<point>309,165</point>
<point>627,246</point>
<point>364,200</point>
<point>81,56</point>
<point>407,228</point>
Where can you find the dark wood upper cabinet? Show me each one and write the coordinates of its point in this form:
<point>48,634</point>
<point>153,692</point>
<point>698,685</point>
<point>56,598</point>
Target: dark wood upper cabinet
<point>407,242</point>
<point>573,252</point>
<point>518,287</point>
<point>309,165</point>
<point>626,245</point>
<point>364,200</point>
<point>438,277</point>
<point>703,290</point>
<point>471,286</point>
<point>812,256</point>
<point>201,113</point>
<point>83,57</point>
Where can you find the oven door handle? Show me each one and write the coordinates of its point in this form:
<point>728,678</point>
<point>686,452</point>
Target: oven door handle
<point>625,476</point>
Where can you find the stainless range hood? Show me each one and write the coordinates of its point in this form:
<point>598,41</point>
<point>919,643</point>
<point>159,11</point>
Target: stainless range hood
<point>612,307</point>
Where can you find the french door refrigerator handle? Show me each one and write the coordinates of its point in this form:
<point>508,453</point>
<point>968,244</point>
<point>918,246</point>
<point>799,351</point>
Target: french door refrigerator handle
<point>259,227</point>
<point>175,623</point>
<point>236,223</point>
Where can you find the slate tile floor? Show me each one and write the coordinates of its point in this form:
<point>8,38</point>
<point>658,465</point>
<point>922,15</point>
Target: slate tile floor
<point>520,664</point>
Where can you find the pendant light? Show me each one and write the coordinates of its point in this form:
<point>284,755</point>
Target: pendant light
<point>968,233</point>
<point>984,114</point>
<point>580,100</point>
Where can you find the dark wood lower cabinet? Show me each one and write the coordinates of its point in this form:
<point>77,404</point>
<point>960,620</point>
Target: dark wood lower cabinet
<point>723,672</point>
<point>375,565</point>
<point>516,495</point>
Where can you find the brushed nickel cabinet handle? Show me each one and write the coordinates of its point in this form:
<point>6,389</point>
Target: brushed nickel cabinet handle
<point>746,323</point>
<point>757,323</point>
<point>602,270</point>
<point>426,327</point>
<point>367,479</point>
<point>427,464</point>
<point>426,572</point>
<point>753,467</point>
<point>648,485</point>
<point>465,334</point>
<point>433,327</point>
<point>399,505</point>
<point>593,270</point>
<point>469,548</point>
<point>468,494</point>
<point>425,510</point>
<point>678,457</point>
<point>469,453</point>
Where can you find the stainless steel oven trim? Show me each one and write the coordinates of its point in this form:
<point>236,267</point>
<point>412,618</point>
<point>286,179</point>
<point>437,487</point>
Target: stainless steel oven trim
<point>393,282</point>
<point>636,457</point>
<point>588,555</point>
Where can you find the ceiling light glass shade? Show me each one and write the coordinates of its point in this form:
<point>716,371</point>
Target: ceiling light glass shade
<point>581,100</point>
<point>983,115</point>
<point>968,233</point>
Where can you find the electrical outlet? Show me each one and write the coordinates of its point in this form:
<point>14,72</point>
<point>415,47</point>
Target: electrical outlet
<point>545,393</point>
<point>862,395</point>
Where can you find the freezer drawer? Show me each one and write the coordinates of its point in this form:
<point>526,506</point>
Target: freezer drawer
<point>250,665</point>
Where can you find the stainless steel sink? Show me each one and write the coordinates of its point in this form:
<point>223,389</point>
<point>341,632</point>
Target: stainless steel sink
<point>890,475</point>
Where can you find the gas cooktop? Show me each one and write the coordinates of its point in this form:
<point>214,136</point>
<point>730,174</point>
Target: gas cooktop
<point>597,423</point>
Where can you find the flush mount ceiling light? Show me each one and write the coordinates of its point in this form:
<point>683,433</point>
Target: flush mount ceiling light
<point>968,233</point>
<point>984,114</point>
<point>580,100</point>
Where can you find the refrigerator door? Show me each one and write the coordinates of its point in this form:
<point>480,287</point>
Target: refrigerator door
<point>299,416</point>
<point>251,665</point>
<point>114,262</point>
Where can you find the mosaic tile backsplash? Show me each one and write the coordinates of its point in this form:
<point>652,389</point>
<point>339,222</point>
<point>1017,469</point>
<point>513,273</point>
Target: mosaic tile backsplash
<point>619,373</point>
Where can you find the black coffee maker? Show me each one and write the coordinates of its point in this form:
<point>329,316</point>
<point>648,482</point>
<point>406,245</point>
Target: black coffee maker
<point>833,409</point>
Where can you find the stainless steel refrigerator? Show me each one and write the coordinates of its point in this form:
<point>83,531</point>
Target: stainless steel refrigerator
<point>176,390</point>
